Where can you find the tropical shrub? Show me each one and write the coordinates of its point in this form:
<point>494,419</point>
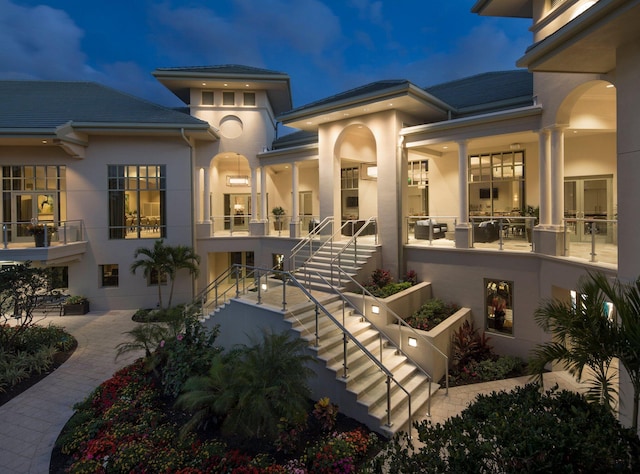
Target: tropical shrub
<point>430,314</point>
<point>31,353</point>
<point>473,359</point>
<point>523,430</point>
<point>381,284</point>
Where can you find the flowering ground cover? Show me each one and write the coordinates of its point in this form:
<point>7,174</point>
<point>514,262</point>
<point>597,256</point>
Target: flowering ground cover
<point>127,425</point>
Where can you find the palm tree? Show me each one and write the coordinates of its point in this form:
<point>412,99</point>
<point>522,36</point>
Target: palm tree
<point>587,335</point>
<point>256,387</point>
<point>181,257</point>
<point>156,260</point>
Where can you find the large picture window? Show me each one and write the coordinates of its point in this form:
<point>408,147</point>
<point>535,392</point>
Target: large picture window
<point>32,192</point>
<point>137,201</point>
<point>496,184</point>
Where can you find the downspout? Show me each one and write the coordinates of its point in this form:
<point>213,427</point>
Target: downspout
<point>192,164</point>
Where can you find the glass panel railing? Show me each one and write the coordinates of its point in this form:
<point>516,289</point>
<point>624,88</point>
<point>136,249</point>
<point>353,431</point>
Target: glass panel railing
<point>593,239</point>
<point>41,233</point>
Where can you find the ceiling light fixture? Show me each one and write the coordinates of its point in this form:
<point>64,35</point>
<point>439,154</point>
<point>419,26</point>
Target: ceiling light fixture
<point>237,180</point>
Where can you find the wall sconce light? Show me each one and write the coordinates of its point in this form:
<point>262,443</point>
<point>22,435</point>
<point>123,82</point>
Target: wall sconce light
<point>375,309</point>
<point>413,342</point>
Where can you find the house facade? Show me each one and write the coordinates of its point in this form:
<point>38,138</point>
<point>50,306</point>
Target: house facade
<point>508,185</point>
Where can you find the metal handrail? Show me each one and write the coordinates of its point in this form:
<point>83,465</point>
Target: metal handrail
<point>364,350</point>
<point>308,240</point>
<point>593,231</point>
<point>529,223</point>
<point>9,230</point>
<point>401,323</point>
<point>288,277</point>
<point>353,240</point>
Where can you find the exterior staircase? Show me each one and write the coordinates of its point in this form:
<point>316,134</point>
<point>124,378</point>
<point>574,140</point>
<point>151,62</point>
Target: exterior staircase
<point>364,385</point>
<point>317,270</point>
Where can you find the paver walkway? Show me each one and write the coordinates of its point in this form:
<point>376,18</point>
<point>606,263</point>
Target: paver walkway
<point>31,422</point>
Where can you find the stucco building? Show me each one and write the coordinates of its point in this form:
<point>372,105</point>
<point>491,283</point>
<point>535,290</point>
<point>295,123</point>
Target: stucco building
<point>513,182</point>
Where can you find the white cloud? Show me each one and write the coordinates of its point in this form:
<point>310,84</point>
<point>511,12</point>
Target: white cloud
<point>39,43</point>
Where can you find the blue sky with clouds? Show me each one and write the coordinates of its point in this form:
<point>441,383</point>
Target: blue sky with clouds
<point>326,46</point>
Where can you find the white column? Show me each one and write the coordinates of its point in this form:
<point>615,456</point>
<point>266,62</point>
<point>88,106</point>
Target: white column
<point>263,194</point>
<point>463,186</point>
<point>254,196</point>
<point>556,172</point>
<point>206,198</point>
<point>294,194</point>
<point>544,155</point>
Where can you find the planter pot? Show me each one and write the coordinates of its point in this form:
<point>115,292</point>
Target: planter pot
<point>278,225</point>
<point>75,309</point>
<point>39,239</point>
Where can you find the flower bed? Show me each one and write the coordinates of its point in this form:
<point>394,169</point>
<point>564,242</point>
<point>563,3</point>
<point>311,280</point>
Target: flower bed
<point>431,314</point>
<point>126,425</point>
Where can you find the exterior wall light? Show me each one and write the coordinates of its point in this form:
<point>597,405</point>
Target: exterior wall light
<point>375,309</point>
<point>413,342</point>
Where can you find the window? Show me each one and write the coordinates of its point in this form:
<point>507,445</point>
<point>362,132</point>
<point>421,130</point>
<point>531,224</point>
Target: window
<point>153,278</point>
<point>32,192</point>
<point>249,99</point>
<point>418,173</point>
<point>207,97</point>
<point>228,98</point>
<point>137,201</point>
<point>349,178</point>
<point>499,306</point>
<point>109,275</point>
<point>496,183</point>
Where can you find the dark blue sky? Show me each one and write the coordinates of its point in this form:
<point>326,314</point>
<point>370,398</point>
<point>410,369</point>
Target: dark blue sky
<point>325,46</point>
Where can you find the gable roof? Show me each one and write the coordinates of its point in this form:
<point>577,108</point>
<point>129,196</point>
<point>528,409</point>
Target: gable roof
<point>488,91</point>
<point>50,104</point>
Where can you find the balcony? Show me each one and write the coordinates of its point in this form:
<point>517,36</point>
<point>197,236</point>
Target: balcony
<point>586,240</point>
<point>45,242</point>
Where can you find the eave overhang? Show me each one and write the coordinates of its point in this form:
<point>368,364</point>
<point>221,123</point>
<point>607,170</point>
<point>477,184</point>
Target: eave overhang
<point>504,8</point>
<point>180,82</point>
<point>587,44</point>
<point>404,97</point>
<point>523,119</point>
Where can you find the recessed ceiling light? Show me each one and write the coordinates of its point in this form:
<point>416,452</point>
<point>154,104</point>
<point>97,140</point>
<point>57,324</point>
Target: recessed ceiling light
<point>204,83</point>
<point>609,86</point>
<point>44,141</point>
<point>346,114</point>
<point>225,84</point>
<point>445,147</point>
<point>309,123</point>
<point>246,85</point>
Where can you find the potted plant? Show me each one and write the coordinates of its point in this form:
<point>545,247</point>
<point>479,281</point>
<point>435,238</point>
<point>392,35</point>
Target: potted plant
<point>75,305</point>
<point>278,212</point>
<point>38,230</point>
<point>531,211</point>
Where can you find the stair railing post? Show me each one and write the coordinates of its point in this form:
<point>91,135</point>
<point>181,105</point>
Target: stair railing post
<point>317,325</point>
<point>428,400</point>
<point>345,365</point>
<point>284,292</point>
<point>237,282</point>
<point>389,401</point>
<point>215,305</point>
<point>259,288</point>
<point>381,344</point>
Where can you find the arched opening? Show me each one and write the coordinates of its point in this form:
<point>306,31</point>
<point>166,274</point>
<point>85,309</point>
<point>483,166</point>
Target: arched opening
<point>590,168</point>
<point>230,193</point>
<point>355,152</point>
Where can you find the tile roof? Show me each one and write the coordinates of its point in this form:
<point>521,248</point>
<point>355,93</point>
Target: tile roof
<point>486,89</point>
<point>301,137</point>
<point>371,88</point>
<point>49,104</point>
